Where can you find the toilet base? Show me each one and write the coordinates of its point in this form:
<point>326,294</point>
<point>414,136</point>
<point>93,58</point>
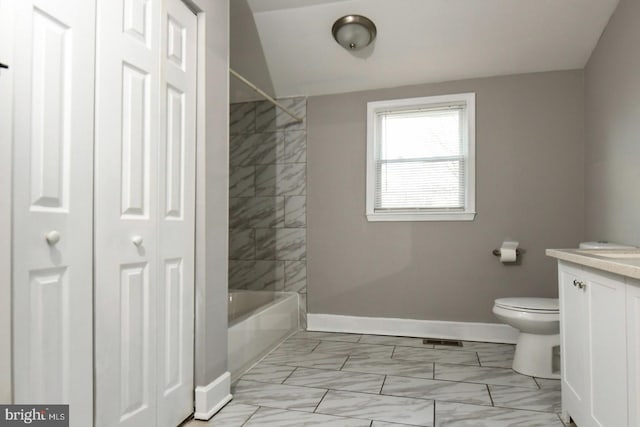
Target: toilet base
<point>538,355</point>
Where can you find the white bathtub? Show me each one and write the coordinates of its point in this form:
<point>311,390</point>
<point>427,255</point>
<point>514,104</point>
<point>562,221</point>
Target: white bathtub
<point>258,322</point>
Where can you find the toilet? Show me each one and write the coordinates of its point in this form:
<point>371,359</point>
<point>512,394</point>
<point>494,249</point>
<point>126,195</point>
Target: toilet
<point>538,320</point>
<point>538,347</point>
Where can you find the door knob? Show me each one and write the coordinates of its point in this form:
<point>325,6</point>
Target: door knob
<point>137,240</point>
<point>52,237</point>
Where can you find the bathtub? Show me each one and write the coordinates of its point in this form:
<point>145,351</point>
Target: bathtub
<point>258,322</point>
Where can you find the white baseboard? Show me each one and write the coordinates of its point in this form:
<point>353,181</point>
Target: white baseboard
<point>212,397</point>
<point>467,331</point>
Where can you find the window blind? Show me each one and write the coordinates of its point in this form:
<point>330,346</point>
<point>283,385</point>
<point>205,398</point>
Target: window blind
<point>420,160</point>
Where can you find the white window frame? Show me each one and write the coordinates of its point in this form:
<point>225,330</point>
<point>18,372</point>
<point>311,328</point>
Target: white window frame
<point>469,133</point>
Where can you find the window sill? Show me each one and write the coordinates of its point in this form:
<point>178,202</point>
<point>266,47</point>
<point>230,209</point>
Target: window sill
<point>399,217</point>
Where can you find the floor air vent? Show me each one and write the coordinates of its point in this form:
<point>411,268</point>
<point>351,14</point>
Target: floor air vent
<point>436,341</point>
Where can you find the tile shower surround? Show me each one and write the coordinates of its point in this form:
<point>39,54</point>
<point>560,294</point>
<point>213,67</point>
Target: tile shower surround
<point>340,380</point>
<point>267,198</point>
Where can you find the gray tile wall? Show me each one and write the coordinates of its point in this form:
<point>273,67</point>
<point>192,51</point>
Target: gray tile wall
<point>267,190</point>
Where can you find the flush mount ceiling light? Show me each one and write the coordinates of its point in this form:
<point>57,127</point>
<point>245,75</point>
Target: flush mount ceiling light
<point>354,32</point>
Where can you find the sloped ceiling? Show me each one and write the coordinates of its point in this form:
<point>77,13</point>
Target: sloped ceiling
<point>286,47</point>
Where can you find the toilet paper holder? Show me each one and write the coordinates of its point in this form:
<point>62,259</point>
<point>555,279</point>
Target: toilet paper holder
<point>497,252</point>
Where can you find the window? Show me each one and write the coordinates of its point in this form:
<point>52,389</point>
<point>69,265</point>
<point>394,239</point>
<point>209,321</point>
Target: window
<point>421,159</point>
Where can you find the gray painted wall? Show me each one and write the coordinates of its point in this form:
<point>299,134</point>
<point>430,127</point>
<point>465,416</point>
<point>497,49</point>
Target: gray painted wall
<point>212,194</point>
<point>529,144</point>
<point>612,120</point>
<point>246,55</point>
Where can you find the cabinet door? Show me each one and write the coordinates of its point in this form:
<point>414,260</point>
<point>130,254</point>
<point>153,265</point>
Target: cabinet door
<point>633,350</point>
<point>574,344</point>
<point>607,349</point>
<point>52,197</point>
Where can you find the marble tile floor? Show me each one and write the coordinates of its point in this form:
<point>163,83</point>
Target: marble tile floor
<point>343,380</point>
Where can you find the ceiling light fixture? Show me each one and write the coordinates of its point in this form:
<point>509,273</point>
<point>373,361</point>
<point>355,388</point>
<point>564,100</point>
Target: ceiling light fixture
<point>354,32</point>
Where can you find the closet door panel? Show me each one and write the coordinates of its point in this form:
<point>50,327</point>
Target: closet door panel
<point>126,278</point>
<point>136,143</point>
<point>49,289</point>
<point>134,347</point>
<point>176,177</point>
<point>50,114</point>
<point>52,204</point>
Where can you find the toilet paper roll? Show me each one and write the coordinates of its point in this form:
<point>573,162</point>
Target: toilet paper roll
<point>508,255</point>
<point>508,251</point>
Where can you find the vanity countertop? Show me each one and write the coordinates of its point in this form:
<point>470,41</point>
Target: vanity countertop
<point>624,262</point>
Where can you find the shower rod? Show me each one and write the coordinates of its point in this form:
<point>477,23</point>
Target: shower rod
<point>265,95</point>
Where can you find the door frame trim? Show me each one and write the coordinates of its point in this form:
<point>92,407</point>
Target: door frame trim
<point>211,225</point>
<point>212,190</point>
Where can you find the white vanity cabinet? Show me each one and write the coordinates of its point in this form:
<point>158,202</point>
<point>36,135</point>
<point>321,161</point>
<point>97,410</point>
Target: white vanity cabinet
<point>573,343</point>
<point>633,350</point>
<point>600,329</point>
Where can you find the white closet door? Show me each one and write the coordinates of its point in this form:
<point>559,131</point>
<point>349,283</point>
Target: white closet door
<point>145,212</point>
<point>176,178</point>
<point>126,210</point>
<point>53,169</point>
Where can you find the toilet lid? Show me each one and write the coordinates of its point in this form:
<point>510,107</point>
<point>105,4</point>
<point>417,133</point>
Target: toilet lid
<point>529,304</point>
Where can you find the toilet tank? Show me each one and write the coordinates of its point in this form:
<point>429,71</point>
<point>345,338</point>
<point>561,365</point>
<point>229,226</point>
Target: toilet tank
<point>604,245</point>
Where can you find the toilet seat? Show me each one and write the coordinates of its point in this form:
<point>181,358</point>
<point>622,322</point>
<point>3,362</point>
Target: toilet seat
<point>529,305</point>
